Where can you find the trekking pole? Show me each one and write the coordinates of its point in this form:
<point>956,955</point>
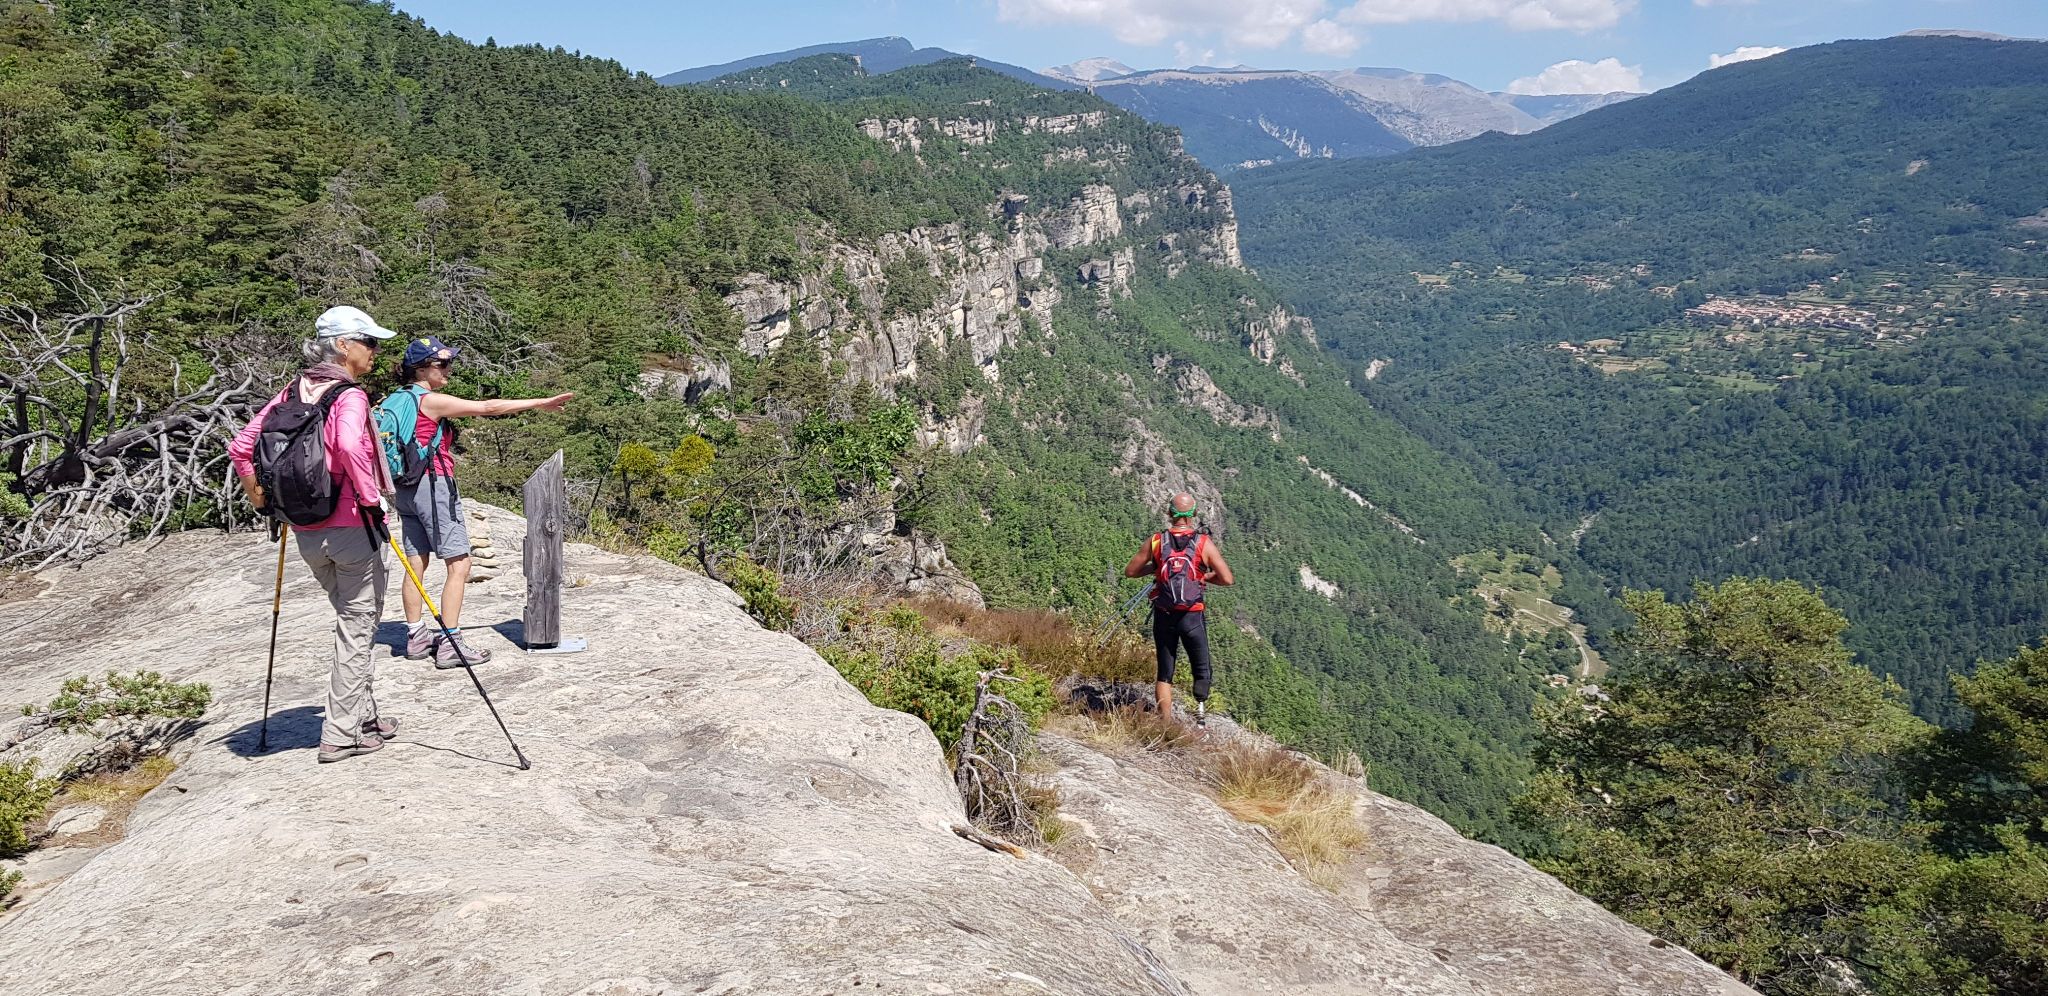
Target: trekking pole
<point>1112,624</point>
<point>276,605</point>
<point>459,654</point>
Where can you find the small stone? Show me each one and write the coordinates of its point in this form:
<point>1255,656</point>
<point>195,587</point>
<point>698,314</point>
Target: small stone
<point>74,820</point>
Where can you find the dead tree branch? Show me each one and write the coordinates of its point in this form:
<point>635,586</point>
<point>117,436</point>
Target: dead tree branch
<point>96,463</point>
<point>987,763</point>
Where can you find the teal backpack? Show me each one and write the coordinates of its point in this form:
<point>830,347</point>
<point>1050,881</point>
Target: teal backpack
<point>398,419</point>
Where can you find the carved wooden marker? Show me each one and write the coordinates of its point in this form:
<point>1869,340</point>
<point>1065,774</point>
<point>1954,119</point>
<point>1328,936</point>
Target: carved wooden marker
<point>541,558</point>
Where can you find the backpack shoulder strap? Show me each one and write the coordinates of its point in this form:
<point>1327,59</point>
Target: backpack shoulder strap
<point>327,400</point>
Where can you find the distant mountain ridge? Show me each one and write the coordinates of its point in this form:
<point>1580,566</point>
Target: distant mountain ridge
<point>876,55</point>
<point>1429,109</point>
<point>1549,109</point>
<point>1244,118</point>
<point>1089,70</point>
<point>1231,118</point>
<point>1963,33</point>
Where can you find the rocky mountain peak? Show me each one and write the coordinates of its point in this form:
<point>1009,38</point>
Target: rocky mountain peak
<point>1089,70</point>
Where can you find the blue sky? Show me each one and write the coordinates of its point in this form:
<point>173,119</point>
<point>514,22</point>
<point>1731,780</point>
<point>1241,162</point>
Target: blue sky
<point>1528,45</point>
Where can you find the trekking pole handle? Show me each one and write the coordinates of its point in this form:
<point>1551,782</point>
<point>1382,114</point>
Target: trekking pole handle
<point>283,532</point>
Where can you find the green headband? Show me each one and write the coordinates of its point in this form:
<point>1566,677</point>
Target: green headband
<point>1189,514</point>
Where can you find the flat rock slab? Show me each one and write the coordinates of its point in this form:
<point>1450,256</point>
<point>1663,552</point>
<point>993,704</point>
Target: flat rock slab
<point>710,810</point>
<point>1214,899</point>
<point>1421,909</point>
<point>1505,927</point>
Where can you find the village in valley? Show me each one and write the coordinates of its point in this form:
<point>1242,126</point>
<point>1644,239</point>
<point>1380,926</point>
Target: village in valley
<point>1754,342</point>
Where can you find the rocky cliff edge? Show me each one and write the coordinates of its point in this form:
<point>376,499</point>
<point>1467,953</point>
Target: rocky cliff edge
<point>710,810</point>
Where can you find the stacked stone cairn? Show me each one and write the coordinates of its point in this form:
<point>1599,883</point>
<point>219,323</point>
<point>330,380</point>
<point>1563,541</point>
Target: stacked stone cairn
<point>483,560</point>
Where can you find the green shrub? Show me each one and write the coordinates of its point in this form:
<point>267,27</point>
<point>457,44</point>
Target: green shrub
<point>761,589</point>
<point>85,700</point>
<point>12,505</point>
<point>22,798</point>
<point>898,664</point>
<point>908,286</point>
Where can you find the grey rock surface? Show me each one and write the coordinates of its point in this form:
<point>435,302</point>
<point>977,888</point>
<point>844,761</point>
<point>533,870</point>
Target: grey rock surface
<point>1421,910</point>
<point>1505,927</point>
<point>711,810</point>
<point>73,820</point>
<point>1213,898</point>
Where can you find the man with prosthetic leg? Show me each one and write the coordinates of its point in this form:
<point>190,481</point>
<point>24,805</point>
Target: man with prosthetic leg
<point>1183,561</point>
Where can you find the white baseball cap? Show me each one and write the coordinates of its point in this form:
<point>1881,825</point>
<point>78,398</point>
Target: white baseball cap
<point>344,322</point>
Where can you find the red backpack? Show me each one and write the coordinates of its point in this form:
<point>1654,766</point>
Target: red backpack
<point>1179,584</point>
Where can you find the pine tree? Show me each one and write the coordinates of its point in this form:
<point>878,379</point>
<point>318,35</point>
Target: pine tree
<point>1728,796</point>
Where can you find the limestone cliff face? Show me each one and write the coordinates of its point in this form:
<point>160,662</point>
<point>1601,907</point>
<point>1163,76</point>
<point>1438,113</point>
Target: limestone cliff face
<point>903,133</point>
<point>990,278</point>
<point>710,810</point>
<point>1263,332</point>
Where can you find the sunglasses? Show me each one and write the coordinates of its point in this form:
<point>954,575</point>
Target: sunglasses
<point>439,364</point>
<point>365,340</point>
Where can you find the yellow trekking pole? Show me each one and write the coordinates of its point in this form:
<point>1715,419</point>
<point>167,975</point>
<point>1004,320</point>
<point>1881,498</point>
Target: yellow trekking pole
<point>468,667</point>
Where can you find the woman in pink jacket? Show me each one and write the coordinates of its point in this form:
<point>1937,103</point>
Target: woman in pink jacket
<point>340,550</point>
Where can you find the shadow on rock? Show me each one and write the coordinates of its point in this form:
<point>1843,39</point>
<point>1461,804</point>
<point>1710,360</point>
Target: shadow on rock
<point>513,630</point>
<point>296,728</point>
<point>503,763</point>
<point>392,634</point>
<point>1104,696</point>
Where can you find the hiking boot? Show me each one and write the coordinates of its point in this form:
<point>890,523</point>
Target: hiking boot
<point>368,743</point>
<point>445,655</point>
<point>419,643</point>
<point>382,729</point>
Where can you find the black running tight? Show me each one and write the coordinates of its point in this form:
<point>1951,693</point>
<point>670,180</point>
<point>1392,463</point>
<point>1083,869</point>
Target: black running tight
<point>1171,631</point>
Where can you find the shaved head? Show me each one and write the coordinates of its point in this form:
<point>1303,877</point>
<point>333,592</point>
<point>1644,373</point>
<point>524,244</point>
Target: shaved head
<point>1183,502</point>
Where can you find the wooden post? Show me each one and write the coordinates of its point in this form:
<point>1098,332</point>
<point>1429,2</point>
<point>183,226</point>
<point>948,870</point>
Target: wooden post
<point>546,517</point>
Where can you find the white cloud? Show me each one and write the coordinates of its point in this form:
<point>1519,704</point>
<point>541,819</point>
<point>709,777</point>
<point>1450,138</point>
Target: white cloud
<point>1327,37</point>
<point>1250,23</point>
<point>1579,76</point>
<point>1185,55</point>
<point>1743,54</point>
<point>1309,23</point>
<point>1521,15</point>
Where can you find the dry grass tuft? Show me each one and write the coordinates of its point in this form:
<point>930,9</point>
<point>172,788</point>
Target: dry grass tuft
<point>117,792</point>
<point>120,786</point>
<point>1048,642</point>
<point>1309,813</point>
<point>1134,730</point>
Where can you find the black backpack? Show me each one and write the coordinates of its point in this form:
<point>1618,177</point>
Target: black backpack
<point>291,458</point>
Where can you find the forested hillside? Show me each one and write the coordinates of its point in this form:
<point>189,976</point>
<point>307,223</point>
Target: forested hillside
<point>1785,319</point>
<point>805,335</point>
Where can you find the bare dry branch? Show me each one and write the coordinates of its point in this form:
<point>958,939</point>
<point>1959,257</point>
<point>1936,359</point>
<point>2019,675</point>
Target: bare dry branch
<point>96,464</point>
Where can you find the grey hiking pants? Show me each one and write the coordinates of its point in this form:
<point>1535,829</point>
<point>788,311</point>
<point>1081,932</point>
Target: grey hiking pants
<point>351,569</point>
